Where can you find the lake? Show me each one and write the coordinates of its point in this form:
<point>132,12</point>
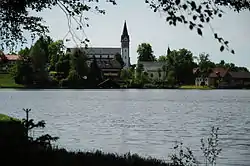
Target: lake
<point>147,122</point>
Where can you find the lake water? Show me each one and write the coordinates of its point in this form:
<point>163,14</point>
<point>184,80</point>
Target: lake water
<point>147,122</point>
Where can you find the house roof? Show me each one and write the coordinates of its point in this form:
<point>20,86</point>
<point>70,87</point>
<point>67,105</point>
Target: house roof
<point>9,57</point>
<point>108,64</point>
<point>218,70</point>
<point>151,66</point>
<point>98,50</point>
<point>240,74</point>
<point>12,57</point>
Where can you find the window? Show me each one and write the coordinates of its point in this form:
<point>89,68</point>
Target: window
<point>125,57</point>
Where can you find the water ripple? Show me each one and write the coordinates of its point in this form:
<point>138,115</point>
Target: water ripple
<point>148,122</point>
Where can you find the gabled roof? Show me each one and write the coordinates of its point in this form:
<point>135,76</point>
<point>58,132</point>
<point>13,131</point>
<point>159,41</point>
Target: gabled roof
<point>150,66</point>
<point>108,64</point>
<point>9,57</point>
<point>12,57</point>
<point>218,71</point>
<point>241,74</point>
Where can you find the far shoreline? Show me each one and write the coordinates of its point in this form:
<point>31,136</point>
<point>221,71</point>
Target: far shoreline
<point>65,88</point>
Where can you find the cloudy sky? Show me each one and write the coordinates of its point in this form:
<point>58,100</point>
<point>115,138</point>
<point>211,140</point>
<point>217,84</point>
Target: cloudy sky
<point>146,26</point>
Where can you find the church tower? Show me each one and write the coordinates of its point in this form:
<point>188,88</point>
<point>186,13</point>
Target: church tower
<point>125,46</point>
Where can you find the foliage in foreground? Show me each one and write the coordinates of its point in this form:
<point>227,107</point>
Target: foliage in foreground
<point>24,149</point>
<point>195,14</point>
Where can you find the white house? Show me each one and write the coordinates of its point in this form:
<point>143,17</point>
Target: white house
<point>153,69</point>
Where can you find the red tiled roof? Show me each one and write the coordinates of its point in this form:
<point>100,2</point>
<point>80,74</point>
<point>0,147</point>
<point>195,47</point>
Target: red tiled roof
<point>218,71</point>
<point>12,57</point>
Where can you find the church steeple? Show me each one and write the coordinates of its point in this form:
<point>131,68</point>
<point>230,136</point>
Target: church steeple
<point>125,35</point>
<point>125,46</point>
<point>168,51</point>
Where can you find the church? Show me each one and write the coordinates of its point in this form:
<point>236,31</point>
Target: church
<point>105,54</point>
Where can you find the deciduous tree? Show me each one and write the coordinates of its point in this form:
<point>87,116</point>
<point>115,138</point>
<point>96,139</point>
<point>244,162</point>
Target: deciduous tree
<point>145,52</point>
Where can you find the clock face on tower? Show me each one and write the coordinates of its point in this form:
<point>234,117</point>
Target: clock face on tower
<point>125,39</point>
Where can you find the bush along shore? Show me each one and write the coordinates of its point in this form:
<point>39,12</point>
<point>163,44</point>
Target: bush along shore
<point>19,148</point>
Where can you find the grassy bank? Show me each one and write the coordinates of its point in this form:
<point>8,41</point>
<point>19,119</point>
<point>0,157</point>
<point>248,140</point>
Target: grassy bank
<point>6,81</point>
<point>17,151</point>
<point>5,118</point>
<point>195,87</point>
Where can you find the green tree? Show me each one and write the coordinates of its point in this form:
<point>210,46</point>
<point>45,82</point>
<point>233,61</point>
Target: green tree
<point>164,69</point>
<point>171,78</point>
<point>162,58</point>
<point>78,62</point>
<point>24,52</point>
<point>145,52</point>
<point>118,57</point>
<point>55,50</point>
<point>95,74</point>
<point>126,74</point>
<point>139,70</point>
<point>181,62</point>
<point>205,64</point>
<point>22,72</point>
<point>38,59</point>
<point>63,65</point>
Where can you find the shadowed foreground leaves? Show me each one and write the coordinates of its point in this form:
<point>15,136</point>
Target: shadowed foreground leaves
<point>15,17</point>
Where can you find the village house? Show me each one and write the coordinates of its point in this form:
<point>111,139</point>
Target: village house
<point>7,60</point>
<point>110,68</point>
<point>153,69</point>
<point>221,77</point>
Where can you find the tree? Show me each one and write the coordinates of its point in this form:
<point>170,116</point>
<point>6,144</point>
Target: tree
<point>63,65</point>
<point>55,50</point>
<point>145,52</point>
<point>171,78</point>
<point>162,58</point>
<point>38,60</point>
<point>195,14</point>
<point>95,74</point>
<point>78,62</point>
<point>164,69</point>
<point>126,74</point>
<point>118,57</point>
<point>205,64</point>
<point>22,72</point>
<point>139,70</point>
<point>24,52</point>
<point>181,62</point>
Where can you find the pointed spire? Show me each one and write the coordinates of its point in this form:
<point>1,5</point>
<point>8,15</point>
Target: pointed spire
<point>168,51</point>
<point>125,31</point>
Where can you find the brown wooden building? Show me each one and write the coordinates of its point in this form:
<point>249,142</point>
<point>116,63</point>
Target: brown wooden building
<point>221,77</point>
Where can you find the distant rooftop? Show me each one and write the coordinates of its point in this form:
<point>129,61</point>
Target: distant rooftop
<point>98,50</point>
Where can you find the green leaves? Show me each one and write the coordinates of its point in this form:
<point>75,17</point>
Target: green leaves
<point>199,31</point>
<point>222,48</point>
<point>177,2</point>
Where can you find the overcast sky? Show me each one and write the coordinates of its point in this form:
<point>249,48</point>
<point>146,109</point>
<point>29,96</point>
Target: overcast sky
<point>146,26</point>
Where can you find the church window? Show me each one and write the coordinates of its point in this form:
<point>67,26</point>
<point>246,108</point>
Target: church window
<point>125,57</point>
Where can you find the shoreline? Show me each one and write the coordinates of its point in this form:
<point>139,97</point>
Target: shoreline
<point>63,88</point>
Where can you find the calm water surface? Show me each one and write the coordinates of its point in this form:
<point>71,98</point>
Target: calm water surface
<point>147,122</point>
